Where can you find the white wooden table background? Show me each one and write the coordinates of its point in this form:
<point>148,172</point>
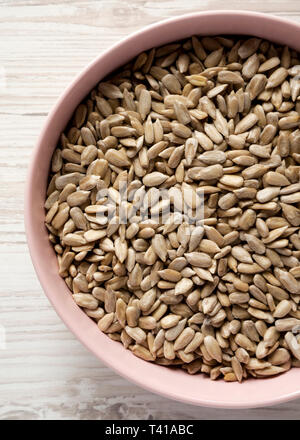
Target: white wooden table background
<point>44,371</point>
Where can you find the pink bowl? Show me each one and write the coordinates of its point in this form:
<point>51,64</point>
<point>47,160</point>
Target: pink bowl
<point>178,385</point>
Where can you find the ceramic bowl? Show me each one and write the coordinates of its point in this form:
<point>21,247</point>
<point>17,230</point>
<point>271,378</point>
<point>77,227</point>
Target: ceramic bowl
<point>171,383</point>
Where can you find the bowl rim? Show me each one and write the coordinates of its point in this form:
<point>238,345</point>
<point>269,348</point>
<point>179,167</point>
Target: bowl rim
<point>67,318</point>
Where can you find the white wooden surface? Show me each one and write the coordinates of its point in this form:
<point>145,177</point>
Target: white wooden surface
<point>44,371</point>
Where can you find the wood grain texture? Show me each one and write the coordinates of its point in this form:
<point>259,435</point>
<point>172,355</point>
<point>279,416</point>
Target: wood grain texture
<point>44,371</point>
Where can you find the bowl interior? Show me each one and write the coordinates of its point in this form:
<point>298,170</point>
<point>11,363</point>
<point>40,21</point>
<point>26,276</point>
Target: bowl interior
<point>171,383</point>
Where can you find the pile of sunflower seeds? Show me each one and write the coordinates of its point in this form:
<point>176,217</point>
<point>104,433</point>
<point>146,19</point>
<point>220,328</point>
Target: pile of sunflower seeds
<point>215,118</point>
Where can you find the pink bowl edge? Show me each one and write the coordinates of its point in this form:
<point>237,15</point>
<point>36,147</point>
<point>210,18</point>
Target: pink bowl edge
<point>67,315</point>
